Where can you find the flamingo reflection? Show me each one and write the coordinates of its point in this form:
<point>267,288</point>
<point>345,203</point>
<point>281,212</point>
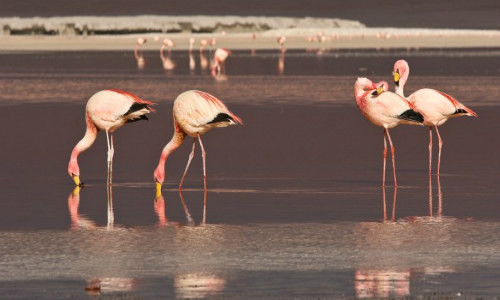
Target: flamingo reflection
<point>79,221</point>
<point>141,62</point>
<point>161,211</point>
<point>195,285</point>
<point>167,62</point>
<point>95,286</point>
<point>381,283</point>
<point>281,63</point>
<point>192,63</point>
<point>203,62</point>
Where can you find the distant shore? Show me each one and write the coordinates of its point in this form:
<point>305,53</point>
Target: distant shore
<point>296,39</point>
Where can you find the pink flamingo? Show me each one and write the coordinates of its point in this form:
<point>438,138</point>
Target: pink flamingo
<point>436,106</point>
<point>281,40</point>
<point>220,57</point>
<point>167,43</point>
<point>203,43</point>
<point>107,110</point>
<point>191,45</point>
<point>212,43</point>
<point>195,113</point>
<point>384,109</point>
<point>140,41</point>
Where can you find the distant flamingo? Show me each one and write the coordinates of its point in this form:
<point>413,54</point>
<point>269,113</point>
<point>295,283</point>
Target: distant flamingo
<point>167,43</point>
<point>212,43</point>
<point>436,106</point>
<point>107,110</point>
<point>220,57</point>
<point>191,45</point>
<point>384,109</point>
<point>140,41</point>
<point>194,113</point>
<point>203,43</point>
<point>281,40</point>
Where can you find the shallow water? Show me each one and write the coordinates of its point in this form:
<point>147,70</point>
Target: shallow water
<point>294,207</point>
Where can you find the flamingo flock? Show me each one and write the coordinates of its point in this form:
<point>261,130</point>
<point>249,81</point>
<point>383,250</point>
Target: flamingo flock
<point>196,112</point>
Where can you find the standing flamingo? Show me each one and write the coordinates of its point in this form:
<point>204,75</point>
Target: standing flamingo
<point>384,109</point>
<point>195,113</point>
<point>167,43</point>
<point>107,110</point>
<point>281,40</point>
<point>191,45</point>
<point>203,43</point>
<point>220,57</point>
<point>436,106</point>
<point>140,41</point>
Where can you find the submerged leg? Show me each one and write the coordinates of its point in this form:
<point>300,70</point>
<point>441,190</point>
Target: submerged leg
<point>385,159</point>
<point>189,162</point>
<point>393,158</point>
<point>440,146</point>
<point>204,154</point>
<point>430,150</point>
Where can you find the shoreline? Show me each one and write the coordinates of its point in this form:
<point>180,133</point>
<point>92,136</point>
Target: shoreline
<point>366,38</point>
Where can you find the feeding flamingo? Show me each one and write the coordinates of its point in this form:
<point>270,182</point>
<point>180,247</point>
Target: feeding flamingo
<point>437,106</point>
<point>140,41</point>
<point>220,57</point>
<point>203,43</point>
<point>194,113</point>
<point>384,109</point>
<point>281,40</point>
<point>107,110</point>
<point>167,43</point>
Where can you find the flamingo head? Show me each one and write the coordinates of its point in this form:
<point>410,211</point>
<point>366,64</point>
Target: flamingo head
<point>381,87</point>
<point>365,84</point>
<point>74,172</point>
<point>401,69</point>
<point>159,176</point>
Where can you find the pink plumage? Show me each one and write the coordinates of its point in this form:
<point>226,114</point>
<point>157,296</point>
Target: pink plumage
<point>195,112</point>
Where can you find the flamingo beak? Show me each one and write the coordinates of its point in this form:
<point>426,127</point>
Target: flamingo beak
<point>158,189</point>
<point>380,89</point>
<point>397,76</point>
<point>77,181</point>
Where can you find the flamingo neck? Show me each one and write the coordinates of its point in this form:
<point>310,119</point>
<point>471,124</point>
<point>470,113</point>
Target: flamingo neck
<point>402,81</point>
<point>174,143</point>
<point>87,140</point>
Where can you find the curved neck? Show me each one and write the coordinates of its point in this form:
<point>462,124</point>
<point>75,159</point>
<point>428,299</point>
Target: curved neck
<point>87,140</point>
<point>174,143</point>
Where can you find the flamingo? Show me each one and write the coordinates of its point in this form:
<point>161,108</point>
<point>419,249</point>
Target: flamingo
<point>203,43</point>
<point>436,106</point>
<point>212,43</point>
<point>167,43</point>
<point>140,41</point>
<point>384,109</point>
<point>281,40</point>
<point>107,110</point>
<point>191,44</point>
<point>194,113</point>
<point>220,57</point>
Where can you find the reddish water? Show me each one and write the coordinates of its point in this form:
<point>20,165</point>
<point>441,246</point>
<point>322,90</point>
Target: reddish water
<point>294,206</point>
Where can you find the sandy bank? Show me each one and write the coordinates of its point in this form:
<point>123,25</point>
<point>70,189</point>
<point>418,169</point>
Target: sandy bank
<point>296,39</point>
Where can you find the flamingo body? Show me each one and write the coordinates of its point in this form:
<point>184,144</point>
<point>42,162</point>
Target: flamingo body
<point>107,110</point>
<point>436,106</point>
<point>194,112</point>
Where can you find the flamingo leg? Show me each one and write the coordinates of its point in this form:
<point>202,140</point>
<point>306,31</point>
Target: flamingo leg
<point>385,159</point>
<point>393,158</point>
<point>394,203</point>
<point>430,150</point>
<point>110,157</point>
<point>204,154</point>
<point>440,147</point>
<point>189,162</point>
<point>384,204</point>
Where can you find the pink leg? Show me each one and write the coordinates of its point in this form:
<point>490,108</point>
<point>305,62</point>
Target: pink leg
<point>189,162</point>
<point>385,159</point>
<point>430,150</point>
<point>440,146</point>
<point>393,158</point>
<point>394,203</point>
<point>384,204</point>
<point>204,154</point>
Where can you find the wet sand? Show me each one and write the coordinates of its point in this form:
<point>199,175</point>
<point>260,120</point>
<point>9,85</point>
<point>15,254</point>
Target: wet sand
<point>294,206</point>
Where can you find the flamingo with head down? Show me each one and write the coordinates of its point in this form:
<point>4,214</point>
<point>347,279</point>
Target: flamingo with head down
<point>107,110</point>
<point>436,106</point>
<point>220,57</point>
<point>384,109</point>
<point>195,112</point>
<point>167,43</point>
